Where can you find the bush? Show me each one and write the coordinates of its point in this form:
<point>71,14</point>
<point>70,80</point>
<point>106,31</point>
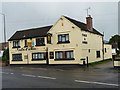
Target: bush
<point>5,56</point>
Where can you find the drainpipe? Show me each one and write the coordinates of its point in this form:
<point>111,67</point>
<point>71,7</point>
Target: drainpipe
<point>47,60</point>
<point>103,45</point>
<point>87,61</point>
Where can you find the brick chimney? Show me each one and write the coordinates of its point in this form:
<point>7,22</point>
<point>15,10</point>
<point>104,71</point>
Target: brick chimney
<point>89,23</point>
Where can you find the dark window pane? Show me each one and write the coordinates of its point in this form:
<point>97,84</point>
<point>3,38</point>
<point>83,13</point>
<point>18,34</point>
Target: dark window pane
<point>65,55</point>
<point>63,38</point>
<point>17,57</point>
<point>59,55</point>
<point>69,54</point>
<point>38,56</point>
<point>16,44</point>
<point>40,42</point>
<point>59,38</point>
<point>67,37</point>
<point>98,54</point>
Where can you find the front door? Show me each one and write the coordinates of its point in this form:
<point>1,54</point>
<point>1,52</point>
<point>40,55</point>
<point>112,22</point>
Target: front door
<point>47,60</point>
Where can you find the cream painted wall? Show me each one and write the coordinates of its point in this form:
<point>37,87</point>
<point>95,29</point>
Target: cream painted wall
<point>108,53</point>
<point>26,52</point>
<point>64,26</point>
<point>117,63</point>
<point>94,44</point>
<point>74,38</point>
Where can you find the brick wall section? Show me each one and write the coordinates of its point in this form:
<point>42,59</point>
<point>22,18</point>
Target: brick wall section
<point>89,23</point>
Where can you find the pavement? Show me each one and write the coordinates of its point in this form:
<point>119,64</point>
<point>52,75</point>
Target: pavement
<point>60,76</point>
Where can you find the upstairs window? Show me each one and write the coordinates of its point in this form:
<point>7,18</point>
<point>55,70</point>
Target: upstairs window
<point>63,38</point>
<point>16,44</point>
<point>40,42</point>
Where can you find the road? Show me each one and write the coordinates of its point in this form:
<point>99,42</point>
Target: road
<point>69,76</point>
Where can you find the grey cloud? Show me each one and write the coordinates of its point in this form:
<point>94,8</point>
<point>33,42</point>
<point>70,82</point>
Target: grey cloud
<point>21,15</point>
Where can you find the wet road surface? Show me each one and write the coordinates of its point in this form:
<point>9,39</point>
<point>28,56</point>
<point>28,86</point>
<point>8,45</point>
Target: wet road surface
<point>69,76</point>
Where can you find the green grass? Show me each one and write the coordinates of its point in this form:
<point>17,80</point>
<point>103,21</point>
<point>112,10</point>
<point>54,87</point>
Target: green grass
<point>100,62</point>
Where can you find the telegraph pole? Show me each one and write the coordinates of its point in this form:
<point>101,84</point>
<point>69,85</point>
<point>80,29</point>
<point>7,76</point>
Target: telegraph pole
<point>4,28</point>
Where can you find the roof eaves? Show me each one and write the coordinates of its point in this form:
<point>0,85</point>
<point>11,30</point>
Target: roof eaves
<point>22,31</point>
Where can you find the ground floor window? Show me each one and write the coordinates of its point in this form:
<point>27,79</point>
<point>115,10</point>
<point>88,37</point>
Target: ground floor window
<point>69,54</point>
<point>58,54</point>
<point>65,55</point>
<point>98,54</point>
<point>17,57</point>
<point>39,56</point>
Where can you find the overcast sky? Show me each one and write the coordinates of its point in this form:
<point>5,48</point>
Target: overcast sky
<point>24,15</point>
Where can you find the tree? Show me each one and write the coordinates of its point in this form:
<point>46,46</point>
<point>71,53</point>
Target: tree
<point>115,41</point>
<point>5,57</point>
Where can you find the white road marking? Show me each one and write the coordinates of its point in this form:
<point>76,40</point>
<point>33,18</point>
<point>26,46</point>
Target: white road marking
<point>46,77</point>
<point>38,76</point>
<point>28,75</point>
<point>6,73</point>
<point>11,73</point>
<point>97,83</point>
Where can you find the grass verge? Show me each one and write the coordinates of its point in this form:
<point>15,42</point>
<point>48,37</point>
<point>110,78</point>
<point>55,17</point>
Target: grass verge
<point>100,62</point>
